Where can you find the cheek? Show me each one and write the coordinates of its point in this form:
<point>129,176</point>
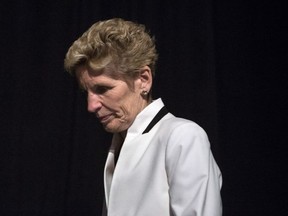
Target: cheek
<point>127,102</point>
<point>128,107</point>
<point>134,105</point>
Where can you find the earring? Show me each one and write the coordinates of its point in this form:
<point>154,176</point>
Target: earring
<point>144,93</point>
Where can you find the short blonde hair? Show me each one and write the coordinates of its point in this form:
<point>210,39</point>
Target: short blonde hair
<point>124,44</point>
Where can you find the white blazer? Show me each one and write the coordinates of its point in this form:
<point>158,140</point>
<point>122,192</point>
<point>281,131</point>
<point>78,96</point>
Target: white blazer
<point>168,171</point>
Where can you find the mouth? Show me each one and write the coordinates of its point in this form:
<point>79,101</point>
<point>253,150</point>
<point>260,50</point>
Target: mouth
<point>105,119</point>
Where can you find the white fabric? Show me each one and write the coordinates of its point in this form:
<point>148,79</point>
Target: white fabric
<point>169,171</point>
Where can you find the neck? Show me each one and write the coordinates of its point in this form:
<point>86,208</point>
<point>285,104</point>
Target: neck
<point>123,135</point>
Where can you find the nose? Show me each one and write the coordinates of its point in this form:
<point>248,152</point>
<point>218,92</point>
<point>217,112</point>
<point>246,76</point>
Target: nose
<point>93,102</point>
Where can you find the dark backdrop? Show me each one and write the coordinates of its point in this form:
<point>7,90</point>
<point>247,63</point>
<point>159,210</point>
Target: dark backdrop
<point>222,64</point>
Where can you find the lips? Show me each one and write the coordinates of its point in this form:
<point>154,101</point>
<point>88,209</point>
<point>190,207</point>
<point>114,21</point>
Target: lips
<point>105,118</point>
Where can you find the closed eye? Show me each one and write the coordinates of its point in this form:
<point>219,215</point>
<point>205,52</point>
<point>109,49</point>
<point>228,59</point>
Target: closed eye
<point>101,89</point>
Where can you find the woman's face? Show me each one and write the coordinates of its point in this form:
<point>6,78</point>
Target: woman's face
<point>113,101</point>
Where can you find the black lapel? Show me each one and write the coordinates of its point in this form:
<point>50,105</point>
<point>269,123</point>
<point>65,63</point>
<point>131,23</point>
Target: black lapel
<point>157,118</point>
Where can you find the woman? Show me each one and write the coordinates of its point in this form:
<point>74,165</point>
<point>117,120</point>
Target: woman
<point>158,164</point>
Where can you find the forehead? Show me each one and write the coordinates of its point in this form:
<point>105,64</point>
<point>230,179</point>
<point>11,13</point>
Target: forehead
<point>88,77</point>
<point>84,71</point>
<point>85,75</point>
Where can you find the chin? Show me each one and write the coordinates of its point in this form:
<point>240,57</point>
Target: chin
<point>112,129</point>
<point>116,128</point>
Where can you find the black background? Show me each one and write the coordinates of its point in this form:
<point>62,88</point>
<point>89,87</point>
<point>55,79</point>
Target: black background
<point>222,64</point>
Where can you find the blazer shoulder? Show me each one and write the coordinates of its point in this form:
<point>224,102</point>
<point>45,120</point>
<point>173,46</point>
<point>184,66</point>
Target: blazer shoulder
<point>172,123</point>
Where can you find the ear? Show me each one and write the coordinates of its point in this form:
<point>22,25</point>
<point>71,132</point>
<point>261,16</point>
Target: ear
<point>145,77</point>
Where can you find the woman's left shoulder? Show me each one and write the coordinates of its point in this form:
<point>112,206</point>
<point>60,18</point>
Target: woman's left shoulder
<point>181,125</point>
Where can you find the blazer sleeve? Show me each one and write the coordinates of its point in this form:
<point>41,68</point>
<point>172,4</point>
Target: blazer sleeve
<point>193,176</point>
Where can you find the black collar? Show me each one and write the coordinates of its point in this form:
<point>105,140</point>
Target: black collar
<point>162,112</point>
